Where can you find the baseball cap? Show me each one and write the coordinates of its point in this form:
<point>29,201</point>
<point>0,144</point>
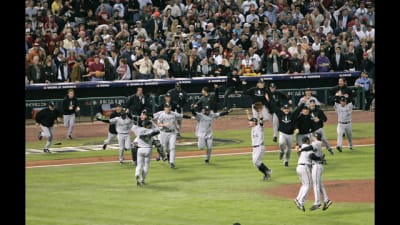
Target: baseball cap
<point>177,85</point>
<point>286,106</point>
<point>118,105</point>
<point>144,112</point>
<point>306,107</point>
<point>146,123</point>
<point>308,89</point>
<point>50,104</point>
<point>156,14</point>
<point>206,107</point>
<point>168,94</point>
<point>342,98</point>
<point>318,136</point>
<point>305,139</point>
<point>261,80</point>
<point>253,120</point>
<point>272,85</point>
<point>312,100</point>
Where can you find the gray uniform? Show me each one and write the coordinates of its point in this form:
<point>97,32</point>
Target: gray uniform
<point>344,124</point>
<point>123,127</point>
<point>303,170</point>
<point>257,142</point>
<point>316,174</point>
<point>204,131</point>
<point>168,133</point>
<point>144,151</point>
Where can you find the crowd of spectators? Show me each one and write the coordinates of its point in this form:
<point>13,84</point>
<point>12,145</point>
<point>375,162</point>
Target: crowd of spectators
<point>94,40</point>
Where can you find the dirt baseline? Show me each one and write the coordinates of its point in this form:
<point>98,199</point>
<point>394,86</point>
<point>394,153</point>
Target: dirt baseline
<point>362,191</point>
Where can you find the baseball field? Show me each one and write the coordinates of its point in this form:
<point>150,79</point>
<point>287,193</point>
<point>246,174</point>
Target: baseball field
<point>81,184</point>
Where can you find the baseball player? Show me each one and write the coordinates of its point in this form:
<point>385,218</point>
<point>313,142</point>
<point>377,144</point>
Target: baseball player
<point>167,122</point>
<point>144,136</point>
<point>319,118</point>
<point>344,110</point>
<point>308,97</point>
<point>123,125</point>
<point>70,108</point>
<point>139,121</point>
<point>167,100</point>
<point>279,99</point>
<point>257,142</point>
<point>204,130</point>
<point>340,90</point>
<point>46,118</point>
<point>286,128</point>
<point>303,125</point>
<point>112,132</point>
<point>303,170</point>
<point>207,99</point>
<point>258,94</point>
<point>180,99</point>
<point>316,173</point>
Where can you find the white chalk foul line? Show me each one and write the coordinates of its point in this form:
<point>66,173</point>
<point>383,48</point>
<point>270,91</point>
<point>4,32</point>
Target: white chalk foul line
<point>178,157</point>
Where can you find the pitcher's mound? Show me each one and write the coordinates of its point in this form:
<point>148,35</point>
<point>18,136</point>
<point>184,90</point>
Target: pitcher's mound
<point>338,191</point>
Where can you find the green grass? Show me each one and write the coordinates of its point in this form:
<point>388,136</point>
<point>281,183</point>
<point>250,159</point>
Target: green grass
<point>360,130</point>
<point>226,191</point>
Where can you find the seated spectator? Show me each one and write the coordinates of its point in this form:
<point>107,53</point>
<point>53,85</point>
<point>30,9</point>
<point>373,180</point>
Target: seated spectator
<point>144,66</point>
<point>161,68</point>
<point>96,70</point>
<point>123,70</point>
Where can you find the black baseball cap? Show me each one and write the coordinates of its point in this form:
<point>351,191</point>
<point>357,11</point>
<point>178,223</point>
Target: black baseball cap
<point>261,80</point>
<point>206,107</point>
<point>146,123</point>
<point>318,136</point>
<point>342,98</point>
<point>253,120</point>
<point>286,106</point>
<point>177,84</point>
<point>312,100</point>
<point>118,105</point>
<point>51,104</point>
<point>305,139</point>
<point>306,107</point>
<point>272,85</point>
<point>308,89</point>
<point>168,94</point>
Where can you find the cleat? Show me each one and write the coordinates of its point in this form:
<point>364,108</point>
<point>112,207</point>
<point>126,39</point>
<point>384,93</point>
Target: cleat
<point>69,137</point>
<point>351,148</point>
<point>281,155</point>
<point>207,161</point>
<point>138,183</point>
<point>40,136</point>
<point>299,206</point>
<point>165,159</point>
<point>104,146</point>
<point>275,139</point>
<point>267,175</point>
<point>314,207</point>
<point>172,165</point>
<point>339,149</point>
<point>286,164</point>
<point>121,161</point>
<point>330,151</point>
<point>327,204</point>
<point>46,150</point>
<point>158,158</point>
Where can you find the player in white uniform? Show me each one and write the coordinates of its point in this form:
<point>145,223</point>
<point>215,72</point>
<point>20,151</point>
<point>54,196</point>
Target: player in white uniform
<point>123,125</point>
<point>145,141</point>
<point>316,173</point>
<point>204,130</point>
<point>257,142</point>
<point>167,122</point>
<point>344,110</point>
<point>303,170</point>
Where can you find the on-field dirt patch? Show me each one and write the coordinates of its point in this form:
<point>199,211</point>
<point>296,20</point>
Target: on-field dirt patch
<point>338,191</point>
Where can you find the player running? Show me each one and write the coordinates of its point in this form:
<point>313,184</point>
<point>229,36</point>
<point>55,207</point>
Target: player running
<point>46,118</point>
<point>204,130</point>
<point>344,110</point>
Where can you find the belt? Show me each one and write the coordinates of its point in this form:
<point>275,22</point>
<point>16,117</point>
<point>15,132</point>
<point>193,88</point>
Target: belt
<point>303,164</point>
<point>345,122</point>
<point>255,146</point>
<point>143,147</point>
<point>169,131</point>
<point>123,133</point>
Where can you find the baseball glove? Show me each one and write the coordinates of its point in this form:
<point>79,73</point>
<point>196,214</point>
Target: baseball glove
<point>98,73</point>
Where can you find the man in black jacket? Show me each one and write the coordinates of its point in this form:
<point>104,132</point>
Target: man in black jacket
<point>286,120</point>
<point>233,84</point>
<point>46,118</point>
<point>70,108</point>
<point>179,99</point>
<point>257,94</point>
<point>319,119</point>
<point>279,99</point>
<point>303,125</point>
<point>136,103</point>
<point>207,99</point>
